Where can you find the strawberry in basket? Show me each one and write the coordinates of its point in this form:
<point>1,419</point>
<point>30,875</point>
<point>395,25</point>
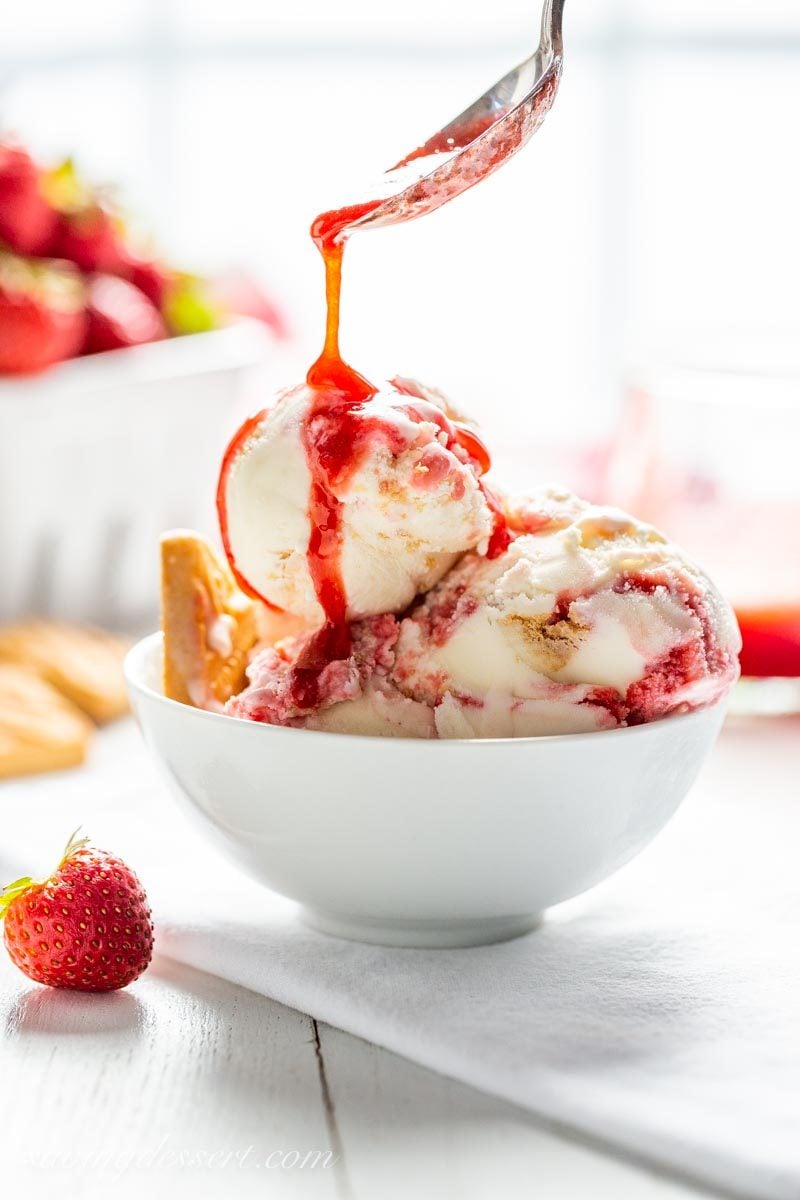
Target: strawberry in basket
<point>119,315</point>
<point>42,313</point>
<point>91,232</point>
<point>88,231</point>
<point>27,219</point>
<point>74,280</point>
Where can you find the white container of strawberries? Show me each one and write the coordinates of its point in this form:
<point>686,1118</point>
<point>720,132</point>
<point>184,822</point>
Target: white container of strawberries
<point>119,378</point>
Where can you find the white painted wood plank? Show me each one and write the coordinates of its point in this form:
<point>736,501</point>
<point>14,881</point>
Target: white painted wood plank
<point>183,1063</point>
<point>122,1093</point>
<point>408,1132</point>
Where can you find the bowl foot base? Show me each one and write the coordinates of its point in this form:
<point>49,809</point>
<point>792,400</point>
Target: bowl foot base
<point>434,934</point>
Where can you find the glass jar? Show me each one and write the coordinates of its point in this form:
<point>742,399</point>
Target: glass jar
<point>708,450</point>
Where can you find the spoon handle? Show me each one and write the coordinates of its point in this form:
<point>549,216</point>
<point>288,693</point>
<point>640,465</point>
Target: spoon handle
<point>552,15</point>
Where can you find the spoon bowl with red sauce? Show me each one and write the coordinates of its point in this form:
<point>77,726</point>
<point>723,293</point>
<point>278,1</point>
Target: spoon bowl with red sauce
<point>471,146</point>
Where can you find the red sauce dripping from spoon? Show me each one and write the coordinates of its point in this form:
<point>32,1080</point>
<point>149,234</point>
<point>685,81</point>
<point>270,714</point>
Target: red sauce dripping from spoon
<point>328,438</point>
<point>329,232</point>
<point>332,435</point>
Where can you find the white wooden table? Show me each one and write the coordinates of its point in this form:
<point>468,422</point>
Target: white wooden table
<point>193,1086</point>
<point>190,1086</point>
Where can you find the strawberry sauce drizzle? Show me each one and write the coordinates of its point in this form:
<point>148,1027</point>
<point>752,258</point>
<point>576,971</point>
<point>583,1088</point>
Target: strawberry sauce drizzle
<point>332,643</point>
<point>329,233</point>
<point>332,436</point>
<point>474,448</point>
<point>500,537</point>
<point>335,436</point>
<point>328,436</point>
<point>235,445</point>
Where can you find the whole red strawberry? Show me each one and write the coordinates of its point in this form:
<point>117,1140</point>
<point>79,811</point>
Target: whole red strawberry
<point>92,238</point>
<point>88,231</point>
<point>120,315</point>
<point>149,276</point>
<point>42,317</point>
<point>27,219</point>
<point>87,927</point>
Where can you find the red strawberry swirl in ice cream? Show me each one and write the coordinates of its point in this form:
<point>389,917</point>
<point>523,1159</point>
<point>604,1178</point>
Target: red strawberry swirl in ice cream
<point>593,622</point>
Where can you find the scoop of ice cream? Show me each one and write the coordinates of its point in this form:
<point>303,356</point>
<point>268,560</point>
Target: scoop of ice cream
<point>310,682</point>
<point>588,620</point>
<point>327,502</point>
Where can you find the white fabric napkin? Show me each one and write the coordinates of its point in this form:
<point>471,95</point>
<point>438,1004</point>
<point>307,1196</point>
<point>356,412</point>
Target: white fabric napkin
<point>660,1014</point>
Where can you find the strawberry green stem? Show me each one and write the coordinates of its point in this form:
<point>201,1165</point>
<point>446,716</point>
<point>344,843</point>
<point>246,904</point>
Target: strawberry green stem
<point>20,886</point>
<point>74,844</point>
<point>12,891</point>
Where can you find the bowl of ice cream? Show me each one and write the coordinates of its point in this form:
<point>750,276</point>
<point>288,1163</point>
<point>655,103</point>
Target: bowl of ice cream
<point>475,705</point>
<point>420,841</point>
<point>484,707</point>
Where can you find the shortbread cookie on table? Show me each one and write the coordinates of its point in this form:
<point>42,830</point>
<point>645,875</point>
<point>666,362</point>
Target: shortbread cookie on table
<point>85,664</point>
<point>40,729</point>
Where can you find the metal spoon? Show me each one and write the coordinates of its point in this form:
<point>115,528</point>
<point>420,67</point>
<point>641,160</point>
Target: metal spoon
<point>477,142</point>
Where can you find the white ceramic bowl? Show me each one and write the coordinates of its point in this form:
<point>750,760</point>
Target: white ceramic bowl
<point>413,842</point>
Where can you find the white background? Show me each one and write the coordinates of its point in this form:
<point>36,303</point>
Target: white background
<point>662,193</point>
